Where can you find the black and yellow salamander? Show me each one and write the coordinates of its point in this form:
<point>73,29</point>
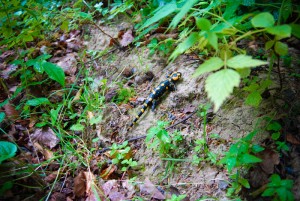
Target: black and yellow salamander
<point>164,86</point>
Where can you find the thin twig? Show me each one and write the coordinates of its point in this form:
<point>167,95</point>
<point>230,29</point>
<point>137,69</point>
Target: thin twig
<point>115,41</point>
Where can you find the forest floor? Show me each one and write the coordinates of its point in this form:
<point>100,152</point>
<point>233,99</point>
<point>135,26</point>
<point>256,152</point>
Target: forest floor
<point>159,173</point>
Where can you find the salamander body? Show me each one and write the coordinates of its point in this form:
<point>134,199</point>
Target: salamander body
<point>164,86</point>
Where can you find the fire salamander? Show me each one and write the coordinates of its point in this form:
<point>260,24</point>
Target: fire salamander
<point>164,86</point>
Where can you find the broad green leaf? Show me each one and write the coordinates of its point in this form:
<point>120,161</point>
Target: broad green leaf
<point>244,182</point>
<point>77,127</point>
<point>7,150</point>
<point>55,72</point>
<point>65,26</point>
<point>185,45</point>
<point>220,85</point>
<point>254,99</point>
<point>244,72</point>
<point>257,148</point>
<point>269,44</point>
<point>268,192</point>
<point>248,158</point>
<point>214,63</point>
<point>275,136</point>
<point>283,31</point>
<point>244,61</point>
<point>2,116</point>
<point>203,24</point>
<point>27,38</point>
<point>281,48</point>
<point>160,13</point>
<point>275,180</point>
<point>296,30</point>
<point>183,11</point>
<point>212,39</point>
<point>231,7</point>
<point>231,163</point>
<point>84,15</point>
<point>274,126</point>
<point>263,20</point>
<point>286,9</point>
<point>38,101</point>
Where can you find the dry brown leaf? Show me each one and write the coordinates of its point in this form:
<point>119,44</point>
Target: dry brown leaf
<point>8,70</point>
<point>82,183</point>
<point>79,184</point>
<point>45,137</point>
<point>77,96</point>
<point>292,139</point>
<point>57,196</point>
<point>48,154</point>
<point>51,177</point>
<point>128,185</point>
<point>68,63</point>
<point>107,186</point>
<point>269,158</point>
<point>149,187</point>
<point>90,115</point>
<point>115,195</point>
<point>11,112</point>
<point>127,38</point>
<point>108,171</point>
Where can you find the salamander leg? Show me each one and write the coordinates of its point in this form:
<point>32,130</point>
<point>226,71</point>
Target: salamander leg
<point>154,104</point>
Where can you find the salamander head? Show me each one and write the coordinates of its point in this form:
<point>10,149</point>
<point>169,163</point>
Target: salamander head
<point>175,76</point>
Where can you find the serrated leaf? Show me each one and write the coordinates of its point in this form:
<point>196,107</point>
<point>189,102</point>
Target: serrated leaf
<point>264,19</point>
<point>2,116</point>
<point>220,85</point>
<point>185,45</point>
<point>283,31</point>
<point>183,11</point>
<point>77,127</point>
<point>269,44</point>
<point>38,101</point>
<point>212,39</point>
<point>7,150</point>
<point>203,24</point>
<point>253,99</point>
<point>212,64</point>
<point>160,13</point>
<point>244,61</point>
<point>54,72</point>
<point>296,30</point>
<point>281,48</point>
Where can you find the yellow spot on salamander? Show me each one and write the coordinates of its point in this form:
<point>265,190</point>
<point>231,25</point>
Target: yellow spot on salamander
<point>153,92</point>
<point>142,110</point>
<point>167,88</point>
<point>150,99</point>
<point>162,84</point>
<point>137,117</point>
<point>145,104</point>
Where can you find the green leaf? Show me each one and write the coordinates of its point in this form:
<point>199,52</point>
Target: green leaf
<point>286,9</point>
<point>244,72</point>
<point>77,127</point>
<point>183,11</point>
<point>203,24</point>
<point>27,38</point>
<point>274,126</point>
<point>38,101</point>
<point>6,186</point>
<point>185,45</point>
<point>220,85</point>
<point>55,72</point>
<point>212,64</point>
<point>2,116</point>
<point>253,99</point>
<point>257,148</point>
<point>275,180</point>
<point>160,13</point>
<point>283,31</point>
<point>212,39</point>
<point>281,48</point>
<point>296,30</point>
<point>263,20</point>
<point>268,192</point>
<point>269,44</point>
<point>248,158</point>
<point>244,61</point>
<point>275,136</point>
<point>65,26</point>
<point>244,182</point>
<point>7,150</point>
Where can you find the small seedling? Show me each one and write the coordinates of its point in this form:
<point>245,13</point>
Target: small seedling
<point>121,155</point>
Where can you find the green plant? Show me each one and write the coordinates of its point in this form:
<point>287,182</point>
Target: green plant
<point>7,150</point>
<point>123,95</point>
<point>279,189</point>
<point>274,127</point>
<point>163,141</point>
<point>240,155</point>
<point>202,152</point>
<point>121,155</point>
<point>176,197</point>
<point>164,47</point>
